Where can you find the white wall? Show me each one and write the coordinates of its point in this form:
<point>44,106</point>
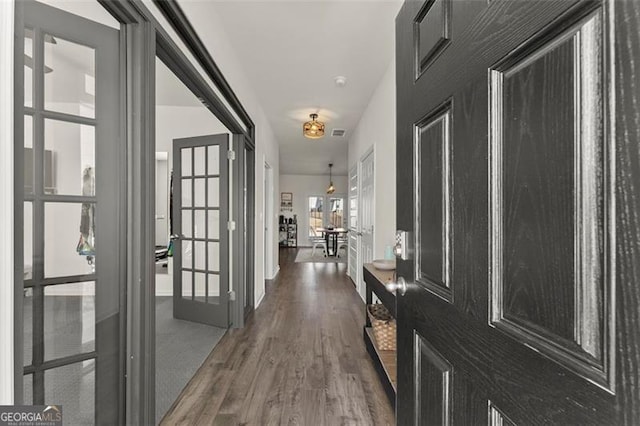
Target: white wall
<point>207,24</point>
<point>377,128</point>
<point>304,186</point>
<point>6,202</point>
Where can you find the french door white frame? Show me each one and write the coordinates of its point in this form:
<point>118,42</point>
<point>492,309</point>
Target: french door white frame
<point>360,286</point>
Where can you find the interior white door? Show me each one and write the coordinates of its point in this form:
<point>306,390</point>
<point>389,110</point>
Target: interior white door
<point>366,215</point>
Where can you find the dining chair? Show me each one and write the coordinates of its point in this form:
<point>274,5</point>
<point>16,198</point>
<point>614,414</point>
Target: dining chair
<point>317,240</point>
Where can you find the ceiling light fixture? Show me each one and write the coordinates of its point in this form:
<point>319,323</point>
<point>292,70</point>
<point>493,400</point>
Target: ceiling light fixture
<point>313,129</point>
<point>331,189</point>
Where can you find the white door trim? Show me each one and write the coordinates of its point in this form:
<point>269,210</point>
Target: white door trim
<point>6,202</point>
<point>268,218</point>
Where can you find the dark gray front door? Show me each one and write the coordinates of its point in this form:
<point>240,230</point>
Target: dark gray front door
<point>201,237</point>
<point>518,181</point>
<point>72,211</point>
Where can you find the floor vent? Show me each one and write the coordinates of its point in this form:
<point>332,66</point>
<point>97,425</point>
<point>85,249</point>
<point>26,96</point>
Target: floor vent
<point>338,132</point>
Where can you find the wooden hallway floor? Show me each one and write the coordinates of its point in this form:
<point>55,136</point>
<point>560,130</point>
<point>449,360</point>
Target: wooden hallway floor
<point>300,360</point>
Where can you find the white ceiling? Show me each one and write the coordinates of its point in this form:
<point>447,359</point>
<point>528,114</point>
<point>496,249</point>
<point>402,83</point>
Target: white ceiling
<point>291,52</point>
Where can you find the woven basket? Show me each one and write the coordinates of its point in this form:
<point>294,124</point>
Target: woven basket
<point>384,327</point>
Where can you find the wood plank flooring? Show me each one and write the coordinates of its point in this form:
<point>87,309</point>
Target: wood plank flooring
<point>300,360</point>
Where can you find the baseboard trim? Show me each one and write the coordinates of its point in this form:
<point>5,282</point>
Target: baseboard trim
<point>260,300</point>
<point>275,273</point>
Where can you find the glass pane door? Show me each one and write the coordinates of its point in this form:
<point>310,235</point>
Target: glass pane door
<point>200,210</point>
<point>71,202</point>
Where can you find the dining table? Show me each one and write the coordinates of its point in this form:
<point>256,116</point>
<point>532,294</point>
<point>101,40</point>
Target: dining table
<point>331,238</point>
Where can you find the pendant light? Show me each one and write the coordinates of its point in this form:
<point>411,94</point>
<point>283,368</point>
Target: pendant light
<point>331,189</point>
<point>313,129</point>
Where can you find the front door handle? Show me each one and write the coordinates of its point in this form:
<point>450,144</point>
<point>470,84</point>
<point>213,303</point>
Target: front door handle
<point>174,237</point>
<point>398,287</point>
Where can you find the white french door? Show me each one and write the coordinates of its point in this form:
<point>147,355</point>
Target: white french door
<point>366,215</point>
<point>353,270</point>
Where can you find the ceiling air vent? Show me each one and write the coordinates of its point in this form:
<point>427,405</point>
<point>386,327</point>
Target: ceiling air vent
<point>338,132</point>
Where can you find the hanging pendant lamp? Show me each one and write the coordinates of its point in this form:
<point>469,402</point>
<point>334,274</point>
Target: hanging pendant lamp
<point>331,189</point>
<point>313,129</point>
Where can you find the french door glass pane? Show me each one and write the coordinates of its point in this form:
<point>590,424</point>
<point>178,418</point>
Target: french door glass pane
<point>69,243</point>
<point>213,155</point>
<point>200,286</point>
<point>27,319</point>
<point>213,218</point>
<point>199,160</point>
<point>187,281</point>
<point>198,192</point>
<point>69,319</point>
<point>214,257</point>
<point>28,240</point>
<point>186,253</point>
<point>199,229</point>
<point>28,154</point>
<point>214,287</point>
<point>199,255</point>
<point>315,215</point>
<point>69,79</point>
<point>74,160</point>
<point>185,157</point>
<point>214,192</point>
<point>28,67</point>
<point>336,212</point>
<point>186,193</point>
<point>73,387</point>
<point>186,223</point>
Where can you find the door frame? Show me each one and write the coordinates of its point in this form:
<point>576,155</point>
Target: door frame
<point>267,211</point>
<point>142,37</point>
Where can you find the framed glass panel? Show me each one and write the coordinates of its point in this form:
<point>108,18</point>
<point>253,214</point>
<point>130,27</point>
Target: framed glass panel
<point>214,288</point>
<point>187,281</point>
<point>200,230</point>
<point>198,192</point>
<point>199,253</point>
<point>199,160</point>
<point>200,286</point>
<point>186,193</point>
<point>73,150</point>
<point>69,239</point>
<point>186,223</point>
<point>27,319</point>
<point>315,215</point>
<point>185,160</point>
<point>28,154</point>
<point>73,386</point>
<point>213,217</point>
<point>28,240</point>
<point>213,155</point>
<point>69,319</point>
<point>213,257</point>
<point>69,79</point>
<point>186,253</point>
<point>28,67</point>
<point>336,212</point>
<point>214,192</point>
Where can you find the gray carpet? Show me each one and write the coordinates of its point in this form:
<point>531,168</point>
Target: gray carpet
<point>181,348</point>
<point>304,255</point>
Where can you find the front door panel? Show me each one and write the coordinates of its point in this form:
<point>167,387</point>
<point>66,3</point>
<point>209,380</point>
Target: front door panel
<point>504,113</point>
<point>201,213</point>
